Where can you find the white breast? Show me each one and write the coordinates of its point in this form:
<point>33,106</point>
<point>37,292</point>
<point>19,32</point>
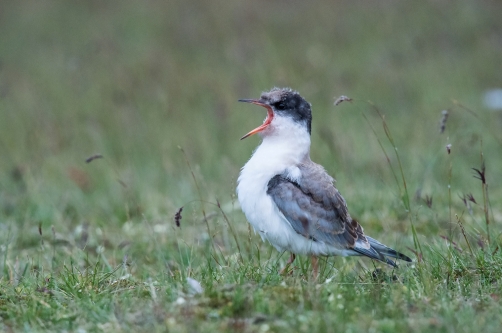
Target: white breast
<point>256,204</point>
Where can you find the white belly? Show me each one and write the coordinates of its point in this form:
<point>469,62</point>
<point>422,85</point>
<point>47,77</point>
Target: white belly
<point>266,219</point>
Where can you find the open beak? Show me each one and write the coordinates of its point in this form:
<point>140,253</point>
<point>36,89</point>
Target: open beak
<point>268,120</point>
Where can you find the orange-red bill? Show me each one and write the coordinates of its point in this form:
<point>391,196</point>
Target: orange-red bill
<point>268,120</point>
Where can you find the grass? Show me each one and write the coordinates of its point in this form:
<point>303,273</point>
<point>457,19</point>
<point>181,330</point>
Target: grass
<point>88,247</point>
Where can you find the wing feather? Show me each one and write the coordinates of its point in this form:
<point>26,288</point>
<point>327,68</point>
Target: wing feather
<point>315,209</point>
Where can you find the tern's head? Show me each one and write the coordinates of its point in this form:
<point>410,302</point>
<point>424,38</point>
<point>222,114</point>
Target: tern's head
<point>285,109</point>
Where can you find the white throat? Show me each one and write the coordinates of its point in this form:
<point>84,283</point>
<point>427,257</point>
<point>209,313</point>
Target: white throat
<point>285,144</point>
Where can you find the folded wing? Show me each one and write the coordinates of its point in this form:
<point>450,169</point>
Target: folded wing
<point>316,210</point>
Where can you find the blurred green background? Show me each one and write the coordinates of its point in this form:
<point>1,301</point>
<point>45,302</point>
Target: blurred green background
<point>94,245</point>
<point>136,80</point>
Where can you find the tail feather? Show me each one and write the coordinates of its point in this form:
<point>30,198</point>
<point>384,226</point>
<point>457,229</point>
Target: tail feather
<point>379,252</point>
<point>373,254</point>
<point>385,250</point>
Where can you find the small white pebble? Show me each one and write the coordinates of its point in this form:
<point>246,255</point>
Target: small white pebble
<point>264,328</point>
<point>194,286</point>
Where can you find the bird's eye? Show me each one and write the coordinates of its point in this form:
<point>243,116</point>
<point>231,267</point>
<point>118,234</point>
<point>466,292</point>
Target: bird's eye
<point>280,106</point>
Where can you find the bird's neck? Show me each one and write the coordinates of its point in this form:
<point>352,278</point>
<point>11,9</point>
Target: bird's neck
<point>279,151</point>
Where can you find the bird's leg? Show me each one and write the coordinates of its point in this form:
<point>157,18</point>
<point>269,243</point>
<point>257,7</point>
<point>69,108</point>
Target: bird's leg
<point>292,258</point>
<point>290,261</point>
<point>315,267</point>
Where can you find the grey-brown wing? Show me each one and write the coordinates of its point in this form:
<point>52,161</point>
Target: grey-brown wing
<point>315,210</point>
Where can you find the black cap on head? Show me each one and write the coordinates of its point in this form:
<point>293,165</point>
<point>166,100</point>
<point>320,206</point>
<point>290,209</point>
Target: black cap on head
<point>286,102</point>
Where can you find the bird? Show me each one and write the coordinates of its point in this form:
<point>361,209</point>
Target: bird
<point>291,201</point>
